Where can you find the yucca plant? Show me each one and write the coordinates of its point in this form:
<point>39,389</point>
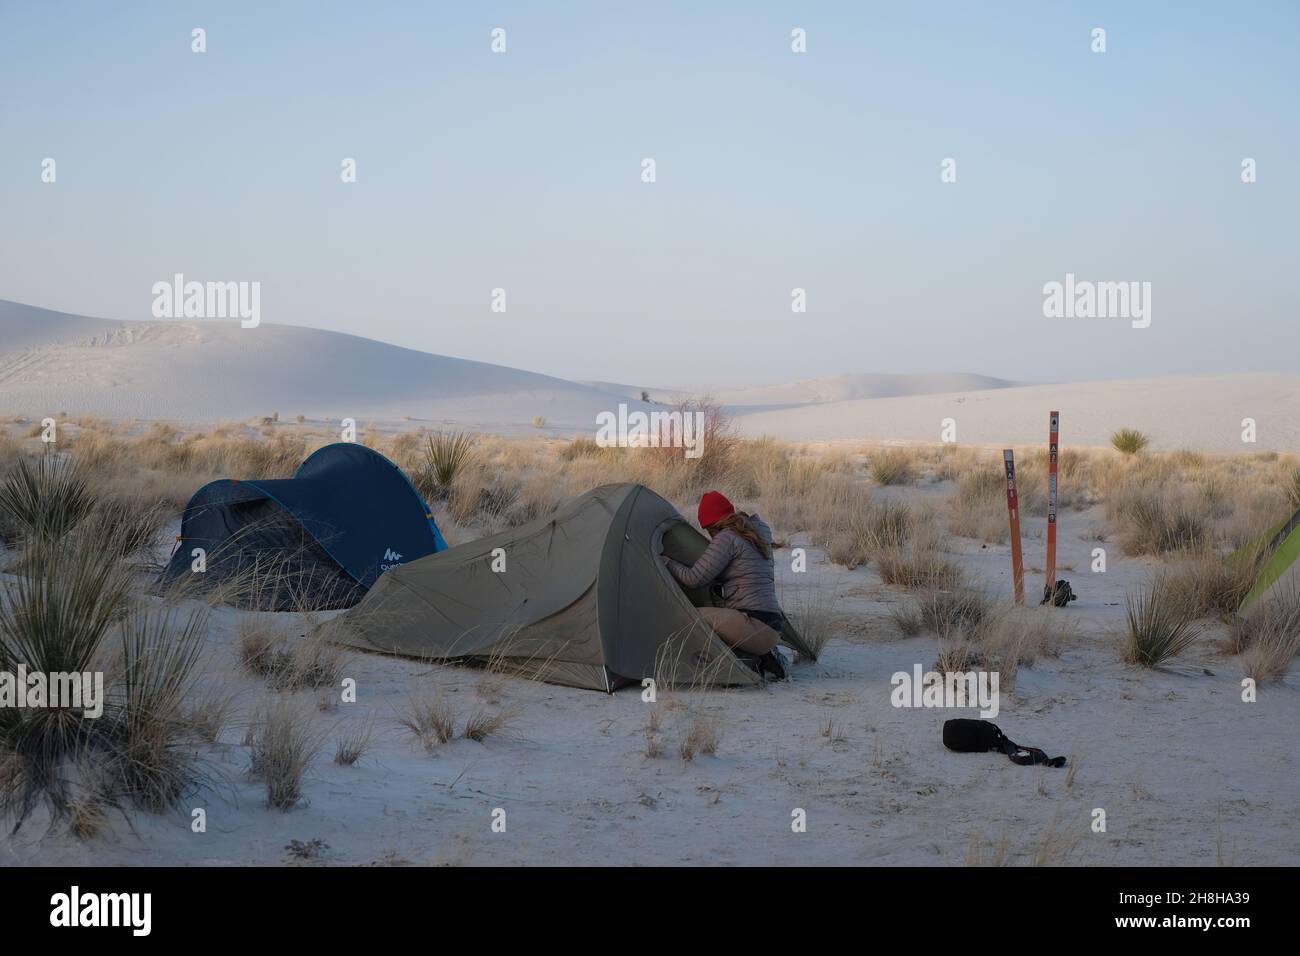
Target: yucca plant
<point>1129,441</point>
<point>446,455</point>
<point>45,498</point>
<point>1159,627</point>
<point>155,764</point>
<point>54,618</point>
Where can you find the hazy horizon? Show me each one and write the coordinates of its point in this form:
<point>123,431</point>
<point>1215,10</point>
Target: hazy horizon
<point>775,170</point>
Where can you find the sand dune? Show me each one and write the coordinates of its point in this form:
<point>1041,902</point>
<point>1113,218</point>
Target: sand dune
<point>201,371</point>
<point>1204,412</point>
<point>51,362</point>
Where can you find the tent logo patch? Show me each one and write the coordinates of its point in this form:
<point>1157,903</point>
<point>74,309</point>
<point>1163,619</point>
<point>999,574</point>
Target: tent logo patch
<point>391,559</point>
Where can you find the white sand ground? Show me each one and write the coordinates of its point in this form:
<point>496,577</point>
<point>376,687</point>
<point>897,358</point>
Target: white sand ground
<point>1186,772</point>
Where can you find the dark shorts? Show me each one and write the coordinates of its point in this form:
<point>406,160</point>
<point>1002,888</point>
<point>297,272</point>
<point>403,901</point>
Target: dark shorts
<point>773,619</point>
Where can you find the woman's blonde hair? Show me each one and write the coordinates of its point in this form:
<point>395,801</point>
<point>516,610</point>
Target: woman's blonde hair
<point>738,522</point>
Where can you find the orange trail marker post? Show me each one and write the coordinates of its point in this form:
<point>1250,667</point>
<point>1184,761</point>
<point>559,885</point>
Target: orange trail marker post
<point>1053,446</point>
<point>1013,515</point>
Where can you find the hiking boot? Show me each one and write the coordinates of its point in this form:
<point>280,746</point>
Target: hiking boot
<point>773,664</point>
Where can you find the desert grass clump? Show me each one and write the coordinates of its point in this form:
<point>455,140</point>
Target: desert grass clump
<point>352,745</point>
<point>812,612</point>
<point>701,738</point>
<point>907,619</point>
<point>1269,639</point>
<point>282,745</point>
<point>1210,585</point>
<point>309,664</point>
<point>977,506</point>
<point>1153,522</point>
<point>431,720</point>
<point>209,712</point>
<point>1129,441</point>
<point>953,612</point>
<point>894,466</point>
<point>1160,628</point>
<point>917,566</point>
<point>867,530</point>
<point>483,723</point>
<point>584,447</point>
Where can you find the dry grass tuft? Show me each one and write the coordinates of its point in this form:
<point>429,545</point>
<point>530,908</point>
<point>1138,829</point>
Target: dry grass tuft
<point>893,466</point>
<point>431,720</point>
<point>483,723</point>
<point>283,742</point>
<point>352,744</point>
<point>1269,639</point>
<point>701,738</point>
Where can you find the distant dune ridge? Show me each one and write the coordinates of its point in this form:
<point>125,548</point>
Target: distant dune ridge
<point>195,371</point>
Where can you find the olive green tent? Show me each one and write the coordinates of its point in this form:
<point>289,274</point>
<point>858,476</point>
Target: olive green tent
<point>579,598</point>
<point>1279,555</point>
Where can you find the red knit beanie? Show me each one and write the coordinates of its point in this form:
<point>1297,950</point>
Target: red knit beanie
<point>714,506</point>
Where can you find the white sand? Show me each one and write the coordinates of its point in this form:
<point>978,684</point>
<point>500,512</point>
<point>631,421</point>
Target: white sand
<point>1203,413</point>
<point>1186,772</point>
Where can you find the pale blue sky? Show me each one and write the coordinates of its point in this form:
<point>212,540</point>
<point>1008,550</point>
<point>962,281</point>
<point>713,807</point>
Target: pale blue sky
<point>775,170</point>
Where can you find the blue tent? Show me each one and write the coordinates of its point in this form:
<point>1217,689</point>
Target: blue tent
<point>317,540</point>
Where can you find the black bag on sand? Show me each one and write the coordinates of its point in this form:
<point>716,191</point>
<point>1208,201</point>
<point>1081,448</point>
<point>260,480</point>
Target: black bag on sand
<point>969,736</point>
<point>1059,596</point>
